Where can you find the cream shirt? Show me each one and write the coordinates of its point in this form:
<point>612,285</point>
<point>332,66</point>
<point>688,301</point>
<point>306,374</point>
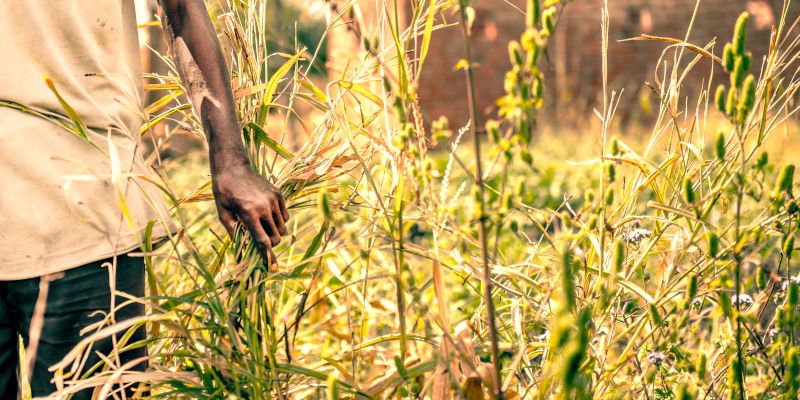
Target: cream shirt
<point>61,198</point>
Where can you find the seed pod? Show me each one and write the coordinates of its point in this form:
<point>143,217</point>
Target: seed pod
<point>794,294</point>
<point>792,374</point>
<point>719,145</point>
<point>788,245</point>
<point>619,255</point>
<point>401,368</point>
<point>739,34</point>
<point>785,179</point>
<point>508,202</point>
<point>533,15</point>
<point>725,304</point>
<point>592,224</point>
<point>654,315</point>
<point>614,147</point>
<point>691,287</point>
<point>700,367</point>
<point>549,19</point>
<point>761,278</point>
<point>612,172</point>
<point>538,88</point>
<point>730,103</point>
<point>398,109</point>
<point>515,53</point>
<point>780,319</point>
<point>713,244</point>
<point>719,98</point>
<point>748,99</point>
<point>728,58</point>
<point>566,278</point>
<point>684,393</point>
<point>688,191</point>
<point>609,196</point>
<point>737,76</point>
<point>747,59</point>
<point>762,161</point>
<point>526,156</point>
<point>519,187</point>
<point>734,372</point>
<point>324,205</point>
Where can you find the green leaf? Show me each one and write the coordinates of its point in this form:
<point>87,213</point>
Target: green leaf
<point>264,138</point>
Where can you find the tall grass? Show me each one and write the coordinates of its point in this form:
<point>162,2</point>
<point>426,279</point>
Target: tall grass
<point>657,268</point>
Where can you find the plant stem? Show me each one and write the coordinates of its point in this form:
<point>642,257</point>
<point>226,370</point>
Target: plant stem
<point>738,257</point>
<point>487,273</point>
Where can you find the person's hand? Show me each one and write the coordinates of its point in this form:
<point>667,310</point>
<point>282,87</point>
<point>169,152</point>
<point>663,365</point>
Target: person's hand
<point>243,195</point>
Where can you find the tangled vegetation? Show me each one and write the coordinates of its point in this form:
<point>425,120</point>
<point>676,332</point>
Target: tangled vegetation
<point>655,266</point>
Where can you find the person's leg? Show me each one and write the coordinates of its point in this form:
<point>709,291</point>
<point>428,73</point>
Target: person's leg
<point>9,349</point>
<point>73,302</point>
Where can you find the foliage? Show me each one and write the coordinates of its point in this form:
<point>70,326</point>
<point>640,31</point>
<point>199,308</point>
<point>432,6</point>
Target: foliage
<point>660,268</point>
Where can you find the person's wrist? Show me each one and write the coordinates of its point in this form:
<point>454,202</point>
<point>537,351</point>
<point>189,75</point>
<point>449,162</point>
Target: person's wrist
<point>230,165</point>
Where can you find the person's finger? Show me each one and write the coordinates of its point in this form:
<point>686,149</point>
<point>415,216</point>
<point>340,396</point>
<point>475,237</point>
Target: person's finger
<point>277,214</point>
<point>260,237</point>
<point>228,221</point>
<point>282,203</point>
<point>273,231</point>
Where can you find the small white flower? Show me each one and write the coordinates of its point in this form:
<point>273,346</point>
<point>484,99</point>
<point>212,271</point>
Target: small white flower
<point>656,358</point>
<point>742,300</point>
<point>696,303</point>
<point>773,333</point>
<point>544,337</point>
<point>785,284</point>
<point>635,236</point>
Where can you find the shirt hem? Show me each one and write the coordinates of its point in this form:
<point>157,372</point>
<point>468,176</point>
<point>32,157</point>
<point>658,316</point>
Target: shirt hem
<point>67,261</point>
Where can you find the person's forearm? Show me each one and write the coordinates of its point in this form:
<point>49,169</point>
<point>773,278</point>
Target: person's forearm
<point>205,76</point>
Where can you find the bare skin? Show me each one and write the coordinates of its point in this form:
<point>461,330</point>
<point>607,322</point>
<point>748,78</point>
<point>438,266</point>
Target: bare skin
<point>241,195</point>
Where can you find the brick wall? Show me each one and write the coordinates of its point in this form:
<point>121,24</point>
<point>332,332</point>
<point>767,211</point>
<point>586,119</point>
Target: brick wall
<point>573,63</point>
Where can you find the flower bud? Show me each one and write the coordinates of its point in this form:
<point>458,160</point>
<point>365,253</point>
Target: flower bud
<point>614,147</point>
<point>609,196</point>
<point>515,53</point>
<point>654,315</point>
<point>619,255</point>
<point>713,244</point>
<point>784,181</point>
<point>730,103</point>
<point>761,278</point>
<point>688,191</point>
<point>691,287</point>
<point>728,58</point>
<point>719,146</point>
<point>739,34</point>
<point>611,171</point>
<point>719,98</point>
<point>737,75</point>
<point>748,99</point>
<point>533,13</point>
<point>788,245</point>
<point>701,366</point>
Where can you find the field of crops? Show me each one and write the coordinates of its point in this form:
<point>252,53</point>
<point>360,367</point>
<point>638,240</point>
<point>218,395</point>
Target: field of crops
<point>485,259</point>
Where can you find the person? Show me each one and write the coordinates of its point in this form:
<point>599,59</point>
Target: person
<point>70,117</point>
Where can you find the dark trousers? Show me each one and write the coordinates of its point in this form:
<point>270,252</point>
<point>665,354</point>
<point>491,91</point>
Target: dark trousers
<point>71,305</point>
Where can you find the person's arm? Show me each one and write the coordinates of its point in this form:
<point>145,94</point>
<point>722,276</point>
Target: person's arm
<point>239,192</point>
